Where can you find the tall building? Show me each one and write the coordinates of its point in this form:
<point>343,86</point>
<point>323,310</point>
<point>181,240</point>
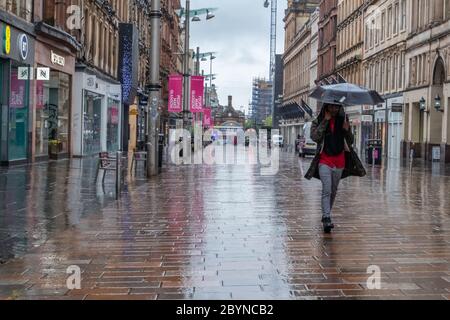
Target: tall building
<point>260,107</point>
<point>296,68</point>
<point>314,21</point>
<point>327,38</point>
<point>426,99</point>
<point>386,36</point>
<point>97,113</point>
<point>349,59</point>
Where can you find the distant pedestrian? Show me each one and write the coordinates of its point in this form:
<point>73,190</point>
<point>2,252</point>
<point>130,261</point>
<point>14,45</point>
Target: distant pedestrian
<point>335,159</point>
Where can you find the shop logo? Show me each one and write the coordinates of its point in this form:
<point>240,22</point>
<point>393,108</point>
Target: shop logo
<point>7,40</point>
<point>43,74</point>
<point>25,73</point>
<point>57,59</point>
<point>23,46</point>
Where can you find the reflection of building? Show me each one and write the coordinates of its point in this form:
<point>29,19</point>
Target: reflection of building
<point>384,67</point>
<point>17,47</point>
<point>426,127</point>
<point>260,107</point>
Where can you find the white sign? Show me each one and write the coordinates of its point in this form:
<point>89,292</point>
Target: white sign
<point>25,73</point>
<point>366,118</point>
<point>57,59</point>
<point>43,74</point>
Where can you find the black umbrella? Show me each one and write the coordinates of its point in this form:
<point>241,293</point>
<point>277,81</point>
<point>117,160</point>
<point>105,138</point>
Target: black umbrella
<point>346,94</point>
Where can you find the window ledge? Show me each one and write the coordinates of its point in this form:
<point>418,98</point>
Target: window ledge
<point>57,34</point>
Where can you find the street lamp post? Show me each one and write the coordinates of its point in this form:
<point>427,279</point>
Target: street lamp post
<point>186,65</point>
<point>155,87</point>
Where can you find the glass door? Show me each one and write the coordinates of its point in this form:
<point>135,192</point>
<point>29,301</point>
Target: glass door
<point>92,119</point>
<point>18,117</point>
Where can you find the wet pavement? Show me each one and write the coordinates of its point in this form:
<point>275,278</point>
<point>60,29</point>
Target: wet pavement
<point>223,232</point>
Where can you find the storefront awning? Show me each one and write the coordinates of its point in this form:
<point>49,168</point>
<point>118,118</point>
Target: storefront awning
<point>291,110</point>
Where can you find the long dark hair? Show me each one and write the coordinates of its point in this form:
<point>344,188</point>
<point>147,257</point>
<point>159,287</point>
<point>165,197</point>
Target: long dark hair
<point>325,106</point>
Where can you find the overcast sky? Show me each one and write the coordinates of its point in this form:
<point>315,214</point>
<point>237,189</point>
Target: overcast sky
<point>240,34</point>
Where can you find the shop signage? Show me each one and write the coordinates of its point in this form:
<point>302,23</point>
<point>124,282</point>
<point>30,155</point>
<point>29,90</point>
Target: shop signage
<point>25,73</point>
<point>90,81</point>
<point>43,74</point>
<point>7,40</point>
<point>57,59</point>
<point>397,107</point>
<point>23,46</point>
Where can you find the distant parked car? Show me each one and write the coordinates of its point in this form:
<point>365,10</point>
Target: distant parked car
<point>309,147</point>
<point>278,140</point>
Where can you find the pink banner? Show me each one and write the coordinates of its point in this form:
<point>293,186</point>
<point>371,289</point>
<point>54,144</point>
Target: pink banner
<point>207,117</point>
<point>175,93</point>
<point>197,87</point>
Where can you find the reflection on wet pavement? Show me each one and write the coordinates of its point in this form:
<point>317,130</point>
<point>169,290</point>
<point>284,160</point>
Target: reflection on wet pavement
<point>221,232</point>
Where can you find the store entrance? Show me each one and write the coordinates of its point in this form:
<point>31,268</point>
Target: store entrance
<point>92,118</point>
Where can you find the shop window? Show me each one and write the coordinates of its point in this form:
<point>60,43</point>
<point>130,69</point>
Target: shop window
<point>92,119</point>
<point>18,117</point>
<point>52,115</point>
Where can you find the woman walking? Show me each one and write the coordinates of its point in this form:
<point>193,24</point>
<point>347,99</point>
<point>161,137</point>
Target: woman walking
<point>335,158</point>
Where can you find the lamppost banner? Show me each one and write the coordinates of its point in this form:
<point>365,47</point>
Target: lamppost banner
<point>197,87</point>
<point>207,117</point>
<point>175,93</point>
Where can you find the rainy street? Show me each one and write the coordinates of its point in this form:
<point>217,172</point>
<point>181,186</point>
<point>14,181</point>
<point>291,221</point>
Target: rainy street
<point>223,232</point>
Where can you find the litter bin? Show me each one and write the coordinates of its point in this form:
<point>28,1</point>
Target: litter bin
<point>374,151</point>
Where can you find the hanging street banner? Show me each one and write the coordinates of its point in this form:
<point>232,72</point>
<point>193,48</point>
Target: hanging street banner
<point>175,93</point>
<point>206,117</point>
<point>197,87</point>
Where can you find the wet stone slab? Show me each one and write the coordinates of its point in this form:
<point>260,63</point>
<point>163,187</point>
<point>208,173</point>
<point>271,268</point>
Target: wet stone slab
<point>223,232</point>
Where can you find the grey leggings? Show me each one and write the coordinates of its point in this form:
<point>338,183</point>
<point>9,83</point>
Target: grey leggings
<point>330,178</point>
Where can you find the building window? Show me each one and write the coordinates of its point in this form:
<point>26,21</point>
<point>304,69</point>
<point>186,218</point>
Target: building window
<point>395,18</point>
<point>389,31</point>
<point>403,18</point>
<point>20,8</point>
<point>383,25</point>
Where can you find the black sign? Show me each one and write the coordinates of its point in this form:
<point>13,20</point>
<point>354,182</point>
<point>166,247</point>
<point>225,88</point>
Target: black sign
<point>397,107</point>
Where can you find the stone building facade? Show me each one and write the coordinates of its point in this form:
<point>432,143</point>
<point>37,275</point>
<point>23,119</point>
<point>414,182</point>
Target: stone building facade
<point>327,38</point>
<point>427,96</point>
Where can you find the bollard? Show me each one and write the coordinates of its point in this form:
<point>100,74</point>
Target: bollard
<point>118,173</point>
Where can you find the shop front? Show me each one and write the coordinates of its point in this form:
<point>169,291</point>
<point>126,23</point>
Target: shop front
<point>16,70</point>
<point>96,115</point>
<point>55,55</point>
